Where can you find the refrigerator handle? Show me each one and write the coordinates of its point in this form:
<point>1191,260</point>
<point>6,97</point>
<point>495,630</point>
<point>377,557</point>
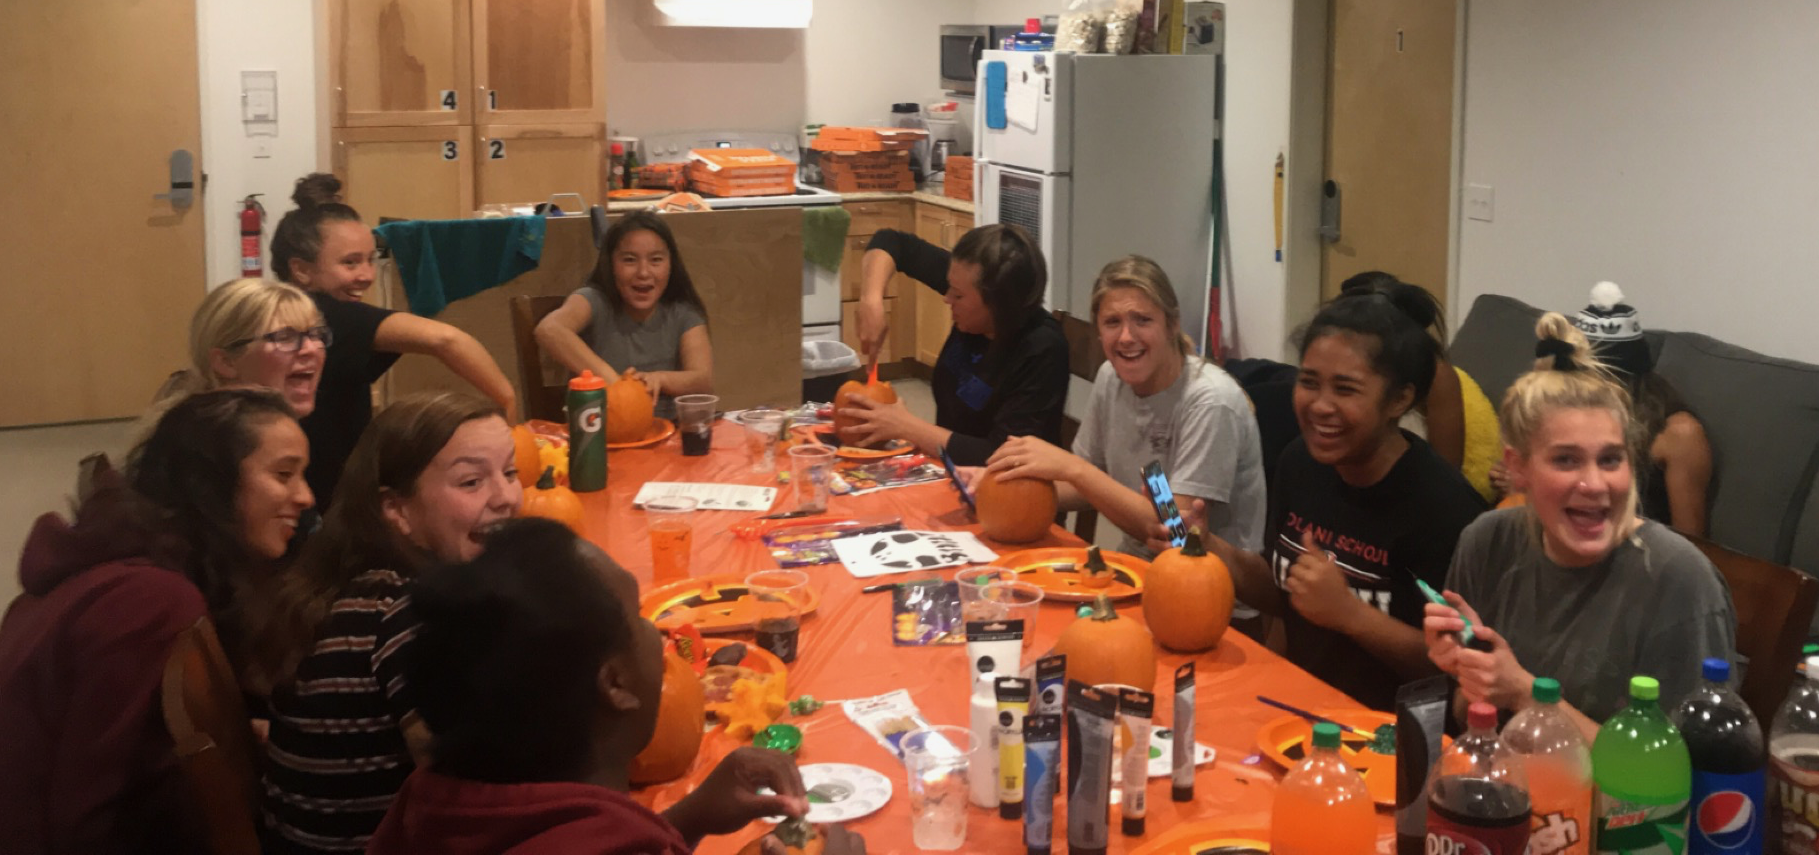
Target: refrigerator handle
<point>1329,211</point>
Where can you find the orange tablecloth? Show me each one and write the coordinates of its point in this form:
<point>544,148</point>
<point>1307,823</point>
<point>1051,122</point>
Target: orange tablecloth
<point>847,653</point>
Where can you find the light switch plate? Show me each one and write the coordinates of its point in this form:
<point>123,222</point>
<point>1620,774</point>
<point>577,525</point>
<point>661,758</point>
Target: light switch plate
<point>1480,202</point>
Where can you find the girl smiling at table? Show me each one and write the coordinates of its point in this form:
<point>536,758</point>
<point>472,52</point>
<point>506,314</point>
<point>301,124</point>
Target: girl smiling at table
<point>425,482</point>
<point>1153,400</point>
<point>1003,370</point>
<point>1360,508</point>
<point>1574,585</point>
<point>324,248</point>
<point>639,315</point>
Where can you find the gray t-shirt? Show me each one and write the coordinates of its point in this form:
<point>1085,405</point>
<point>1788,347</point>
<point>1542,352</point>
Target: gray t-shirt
<point>1200,428</point>
<point>1656,608</point>
<point>654,344</point>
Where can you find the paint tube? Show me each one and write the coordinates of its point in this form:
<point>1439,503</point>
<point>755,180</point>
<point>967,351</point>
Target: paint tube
<point>1135,708</point>
<point>1091,716</point>
<point>994,646</point>
<point>1013,704</point>
<point>1182,774</point>
<point>1041,768</point>
<point>982,778</point>
<point>1051,684</point>
<point>1420,720</point>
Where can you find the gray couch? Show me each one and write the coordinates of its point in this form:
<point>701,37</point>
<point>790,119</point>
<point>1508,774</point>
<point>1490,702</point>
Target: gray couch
<point>1760,413</point>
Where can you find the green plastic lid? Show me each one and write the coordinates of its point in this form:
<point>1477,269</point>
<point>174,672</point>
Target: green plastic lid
<point>1546,690</point>
<point>1083,611</point>
<point>1645,688</point>
<point>1326,735</point>
<point>1809,650</point>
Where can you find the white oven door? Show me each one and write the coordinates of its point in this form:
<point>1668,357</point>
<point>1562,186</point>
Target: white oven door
<point>1039,204</point>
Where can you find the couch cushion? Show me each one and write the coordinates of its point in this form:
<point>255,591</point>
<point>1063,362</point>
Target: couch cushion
<point>1805,555</point>
<point>1762,417</point>
<point>1496,344</point>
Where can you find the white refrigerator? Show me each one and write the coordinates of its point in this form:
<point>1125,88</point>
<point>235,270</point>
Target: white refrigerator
<point>1100,157</point>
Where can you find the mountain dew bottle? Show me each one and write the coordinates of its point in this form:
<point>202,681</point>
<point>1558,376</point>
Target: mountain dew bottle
<point>1644,777</point>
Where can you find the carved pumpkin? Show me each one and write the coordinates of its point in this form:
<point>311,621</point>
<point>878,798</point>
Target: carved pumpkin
<point>628,410</point>
<point>1019,510</point>
<point>1096,573</point>
<point>680,714</point>
<point>875,390</point>
<point>552,501</point>
<point>525,455</point>
<point>1102,647</point>
<point>1187,597</point>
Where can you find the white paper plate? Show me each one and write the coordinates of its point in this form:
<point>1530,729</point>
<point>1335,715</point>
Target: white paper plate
<point>1162,747</point>
<point>842,792</point>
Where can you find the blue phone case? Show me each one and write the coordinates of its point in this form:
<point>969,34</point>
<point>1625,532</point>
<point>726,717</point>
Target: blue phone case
<point>1164,499</point>
<point>953,475</point>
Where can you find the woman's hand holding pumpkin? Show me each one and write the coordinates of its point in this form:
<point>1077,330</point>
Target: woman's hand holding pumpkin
<point>651,381</point>
<point>874,422</point>
<point>1030,457</point>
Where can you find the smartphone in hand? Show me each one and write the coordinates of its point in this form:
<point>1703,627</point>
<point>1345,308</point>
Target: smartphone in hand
<point>1164,499</point>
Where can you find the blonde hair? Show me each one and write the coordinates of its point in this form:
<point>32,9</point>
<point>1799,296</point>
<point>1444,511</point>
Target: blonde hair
<point>1148,278</point>
<point>1573,379</point>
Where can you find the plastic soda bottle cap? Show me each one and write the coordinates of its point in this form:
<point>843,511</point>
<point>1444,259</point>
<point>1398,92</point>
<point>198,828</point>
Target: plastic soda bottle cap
<point>1087,611</point>
<point>1716,670</point>
<point>1545,690</point>
<point>1481,716</point>
<point>1647,688</point>
<point>587,381</point>
<point>1812,667</point>
<point>1326,734</point>
<point>1032,25</point>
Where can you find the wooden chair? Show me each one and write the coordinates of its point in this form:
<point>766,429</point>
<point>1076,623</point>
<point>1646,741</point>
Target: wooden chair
<point>207,720</point>
<point>1774,608</point>
<point>1084,356</point>
<point>537,397</point>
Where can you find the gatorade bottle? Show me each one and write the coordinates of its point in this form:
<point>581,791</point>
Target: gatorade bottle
<point>587,433</point>
<point>1729,778</point>
<point>1322,806</point>
<point>1793,745</point>
<point>1559,767</point>
<point>1477,800</point>
<point>1644,777</point>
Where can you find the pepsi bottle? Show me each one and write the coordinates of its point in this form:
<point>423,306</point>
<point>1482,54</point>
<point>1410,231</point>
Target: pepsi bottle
<point>1728,809</point>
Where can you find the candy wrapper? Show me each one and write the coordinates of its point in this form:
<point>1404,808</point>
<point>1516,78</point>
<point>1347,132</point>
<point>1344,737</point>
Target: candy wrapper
<point>926,612</point>
<point>813,543</point>
<point>886,717</point>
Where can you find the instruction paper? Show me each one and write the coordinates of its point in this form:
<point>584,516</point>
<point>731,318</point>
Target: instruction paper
<point>710,497</point>
<point>869,555</point>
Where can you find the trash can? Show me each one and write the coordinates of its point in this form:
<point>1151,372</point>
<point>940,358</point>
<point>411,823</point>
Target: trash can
<point>824,367</point>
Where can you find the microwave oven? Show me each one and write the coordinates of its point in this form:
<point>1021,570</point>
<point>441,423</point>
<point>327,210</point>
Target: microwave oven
<point>961,47</point>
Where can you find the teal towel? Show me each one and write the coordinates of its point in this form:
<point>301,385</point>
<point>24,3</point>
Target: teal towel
<point>442,261</point>
<point>824,234</point>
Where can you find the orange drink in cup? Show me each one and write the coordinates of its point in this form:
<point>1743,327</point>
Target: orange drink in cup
<point>672,531</point>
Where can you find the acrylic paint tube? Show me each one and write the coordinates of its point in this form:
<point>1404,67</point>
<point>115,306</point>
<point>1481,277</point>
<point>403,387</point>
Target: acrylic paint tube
<point>1183,769</point>
<point>1041,770</point>
<point>994,646</point>
<point>982,777</point>
<point>1091,716</point>
<point>1013,704</point>
<point>1051,684</point>
<point>1135,708</point>
<point>1421,709</point>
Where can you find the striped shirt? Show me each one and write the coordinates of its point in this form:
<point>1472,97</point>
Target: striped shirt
<point>337,755</point>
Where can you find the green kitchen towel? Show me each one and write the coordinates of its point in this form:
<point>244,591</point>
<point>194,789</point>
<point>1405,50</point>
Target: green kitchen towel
<point>824,234</point>
<point>441,261</point>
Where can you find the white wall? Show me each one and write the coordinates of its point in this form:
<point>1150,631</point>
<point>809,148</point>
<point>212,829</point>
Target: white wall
<point>862,57</point>
<point>1668,145</point>
<point>237,35</point>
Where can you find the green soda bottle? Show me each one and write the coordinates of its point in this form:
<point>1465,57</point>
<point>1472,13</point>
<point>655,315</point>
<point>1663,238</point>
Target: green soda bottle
<point>1644,777</point>
<point>587,433</point>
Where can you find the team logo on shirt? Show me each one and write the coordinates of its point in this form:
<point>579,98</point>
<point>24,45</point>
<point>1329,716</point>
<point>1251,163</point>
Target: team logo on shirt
<point>1367,585</point>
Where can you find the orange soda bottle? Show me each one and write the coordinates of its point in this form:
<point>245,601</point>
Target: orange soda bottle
<point>1559,767</point>
<point>1322,806</point>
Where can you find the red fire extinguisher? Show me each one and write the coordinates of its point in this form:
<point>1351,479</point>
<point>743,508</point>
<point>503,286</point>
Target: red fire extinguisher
<point>252,234</point>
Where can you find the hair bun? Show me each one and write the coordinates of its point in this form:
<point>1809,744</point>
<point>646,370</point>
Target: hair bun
<point>316,188</point>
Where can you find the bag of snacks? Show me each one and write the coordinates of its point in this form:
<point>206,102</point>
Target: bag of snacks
<point>1081,28</point>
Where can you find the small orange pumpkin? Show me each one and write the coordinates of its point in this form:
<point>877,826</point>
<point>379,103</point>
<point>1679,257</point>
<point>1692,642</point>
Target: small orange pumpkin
<point>1019,510</point>
<point>878,391</point>
<point>553,501</point>
<point>1102,647</point>
<point>525,455</point>
<point>1097,574</point>
<point>680,715</point>
<point>629,410</point>
<point>1187,597</point>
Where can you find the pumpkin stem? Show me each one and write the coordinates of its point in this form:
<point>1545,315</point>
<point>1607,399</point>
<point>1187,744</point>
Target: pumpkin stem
<point>1193,547</point>
<point>1102,609</point>
<point>547,481</point>
<point>1095,562</point>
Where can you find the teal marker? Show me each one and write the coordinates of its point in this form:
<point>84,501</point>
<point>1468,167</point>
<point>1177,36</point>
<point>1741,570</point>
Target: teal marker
<point>1466,636</point>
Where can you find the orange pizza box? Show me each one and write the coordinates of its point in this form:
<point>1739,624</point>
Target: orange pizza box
<point>845,184</point>
<point>958,190</point>
<point>743,162</point>
<point>822,143</point>
<point>866,160</point>
<point>861,134</point>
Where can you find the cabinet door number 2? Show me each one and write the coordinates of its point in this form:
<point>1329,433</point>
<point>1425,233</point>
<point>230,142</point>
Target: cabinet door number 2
<point>495,149</point>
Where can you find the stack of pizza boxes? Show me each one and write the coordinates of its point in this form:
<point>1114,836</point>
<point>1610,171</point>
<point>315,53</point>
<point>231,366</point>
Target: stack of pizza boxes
<point>867,159</point>
<point>959,183</point>
<point>740,172</point>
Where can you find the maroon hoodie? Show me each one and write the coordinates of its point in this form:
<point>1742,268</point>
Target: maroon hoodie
<point>88,766</point>
<point>452,816</point>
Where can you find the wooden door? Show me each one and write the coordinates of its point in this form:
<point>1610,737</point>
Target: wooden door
<point>1390,139</point>
<point>99,278</point>
<point>530,163</point>
<point>400,62</point>
<point>539,61</point>
<point>421,173</point>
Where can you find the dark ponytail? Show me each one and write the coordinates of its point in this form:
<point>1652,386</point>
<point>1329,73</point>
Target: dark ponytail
<point>1013,278</point>
<point>299,234</point>
<point>1395,341</point>
<point>1415,301</point>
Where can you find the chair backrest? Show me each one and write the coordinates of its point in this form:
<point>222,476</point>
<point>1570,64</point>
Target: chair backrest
<point>207,721</point>
<point>542,398</point>
<point>1084,356</point>
<point>1774,606</point>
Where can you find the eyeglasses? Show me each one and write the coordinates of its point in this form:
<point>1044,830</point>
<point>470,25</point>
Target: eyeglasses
<point>289,339</point>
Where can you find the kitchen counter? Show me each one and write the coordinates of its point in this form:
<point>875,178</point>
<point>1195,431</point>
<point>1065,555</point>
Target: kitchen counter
<point>918,196</point>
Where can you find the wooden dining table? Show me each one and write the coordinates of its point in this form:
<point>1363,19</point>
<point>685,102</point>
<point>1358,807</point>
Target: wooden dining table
<point>846,651</point>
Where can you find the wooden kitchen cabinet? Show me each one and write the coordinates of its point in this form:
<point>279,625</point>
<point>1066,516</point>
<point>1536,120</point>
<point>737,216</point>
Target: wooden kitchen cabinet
<point>538,61</point>
<point>412,173</point>
<point>400,63</point>
<point>529,163</point>
<point>898,342</point>
<point>941,227</point>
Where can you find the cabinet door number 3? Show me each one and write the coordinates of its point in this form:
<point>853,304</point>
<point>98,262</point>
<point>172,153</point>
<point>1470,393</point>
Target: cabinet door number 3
<point>495,149</point>
<point>451,150</point>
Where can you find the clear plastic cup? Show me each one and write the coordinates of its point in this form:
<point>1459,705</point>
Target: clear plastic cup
<point>672,530</point>
<point>937,760</point>
<point>810,468</point>
<point>780,597</point>
<point>695,422</point>
<point>763,426</point>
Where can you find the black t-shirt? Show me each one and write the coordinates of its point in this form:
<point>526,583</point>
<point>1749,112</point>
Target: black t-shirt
<point>344,398</point>
<point>982,396</point>
<point>1383,536</point>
